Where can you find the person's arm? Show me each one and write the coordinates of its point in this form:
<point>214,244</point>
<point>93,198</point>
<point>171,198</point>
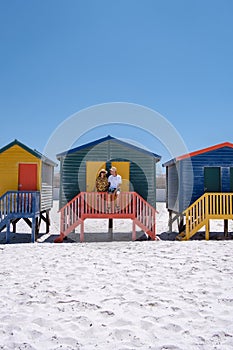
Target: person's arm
<point>119,182</point>
<point>109,181</point>
<point>97,185</point>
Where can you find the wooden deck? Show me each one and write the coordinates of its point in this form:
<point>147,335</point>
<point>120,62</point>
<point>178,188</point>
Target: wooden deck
<point>95,205</point>
<point>15,205</point>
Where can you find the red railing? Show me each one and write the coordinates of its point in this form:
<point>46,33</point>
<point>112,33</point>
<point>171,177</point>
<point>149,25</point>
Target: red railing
<point>145,216</point>
<point>129,205</point>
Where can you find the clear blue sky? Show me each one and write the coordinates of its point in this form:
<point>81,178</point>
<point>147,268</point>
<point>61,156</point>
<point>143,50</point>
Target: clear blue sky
<point>61,56</point>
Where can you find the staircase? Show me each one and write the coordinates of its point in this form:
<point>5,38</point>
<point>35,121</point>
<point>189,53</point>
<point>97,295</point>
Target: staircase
<point>208,206</point>
<point>97,205</point>
<point>16,205</point>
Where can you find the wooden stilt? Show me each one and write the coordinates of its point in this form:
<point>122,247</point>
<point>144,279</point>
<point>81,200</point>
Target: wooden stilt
<point>170,221</point>
<point>39,222</point>
<point>14,224</point>
<point>82,232</point>
<point>33,229</point>
<point>225,228</point>
<point>47,221</point>
<point>207,230</point>
<point>37,228</point>
<point>8,231</point>
<point>133,231</point>
<point>110,228</point>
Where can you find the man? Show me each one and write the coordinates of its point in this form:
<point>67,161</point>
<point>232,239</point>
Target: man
<point>115,182</point>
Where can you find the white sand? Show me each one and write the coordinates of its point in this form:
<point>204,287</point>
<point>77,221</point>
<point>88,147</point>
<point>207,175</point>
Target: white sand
<point>116,295</point>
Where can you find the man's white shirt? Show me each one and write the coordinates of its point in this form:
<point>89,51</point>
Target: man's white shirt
<point>115,181</point>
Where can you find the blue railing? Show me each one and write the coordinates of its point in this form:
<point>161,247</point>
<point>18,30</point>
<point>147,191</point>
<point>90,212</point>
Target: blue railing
<point>18,204</point>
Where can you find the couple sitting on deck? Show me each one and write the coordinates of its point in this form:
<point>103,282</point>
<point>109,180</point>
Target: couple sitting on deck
<point>110,184</point>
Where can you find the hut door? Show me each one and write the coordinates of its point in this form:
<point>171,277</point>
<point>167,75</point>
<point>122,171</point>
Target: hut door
<point>123,170</point>
<point>92,170</point>
<point>212,179</point>
<point>27,177</point>
<point>231,179</point>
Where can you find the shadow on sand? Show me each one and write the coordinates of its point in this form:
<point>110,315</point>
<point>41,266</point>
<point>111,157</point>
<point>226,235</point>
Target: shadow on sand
<point>17,238</point>
<point>217,236</point>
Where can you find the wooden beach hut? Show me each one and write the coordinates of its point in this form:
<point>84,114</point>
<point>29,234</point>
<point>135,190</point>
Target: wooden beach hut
<point>199,188</point>
<point>79,168</point>
<point>26,187</point>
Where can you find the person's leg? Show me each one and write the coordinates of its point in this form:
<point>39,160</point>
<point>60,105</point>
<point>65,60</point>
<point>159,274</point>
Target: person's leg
<point>117,200</point>
<point>110,199</point>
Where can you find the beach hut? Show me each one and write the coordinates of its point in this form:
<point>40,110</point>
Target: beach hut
<point>26,186</point>
<point>79,168</point>
<point>199,188</point>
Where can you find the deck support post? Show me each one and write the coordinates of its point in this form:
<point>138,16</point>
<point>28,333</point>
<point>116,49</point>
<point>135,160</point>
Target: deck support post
<point>37,228</point>
<point>14,226</point>
<point>133,231</point>
<point>170,221</point>
<point>207,230</point>
<point>225,228</point>
<point>82,231</point>
<point>8,231</point>
<point>110,228</point>
<point>47,221</point>
<point>177,218</point>
<point>33,229</point>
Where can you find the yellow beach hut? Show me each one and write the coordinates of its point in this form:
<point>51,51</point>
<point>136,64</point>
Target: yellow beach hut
<point>26,187</point>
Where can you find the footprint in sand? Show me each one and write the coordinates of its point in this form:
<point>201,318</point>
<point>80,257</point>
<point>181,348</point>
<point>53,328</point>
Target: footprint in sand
<point>107,313</point>
<point>146,325</point>
<point>122,334</point>
<point>42,322</point>
<point>173,327</point>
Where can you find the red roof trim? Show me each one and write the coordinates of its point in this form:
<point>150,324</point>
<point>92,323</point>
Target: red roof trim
<point>205,150</point>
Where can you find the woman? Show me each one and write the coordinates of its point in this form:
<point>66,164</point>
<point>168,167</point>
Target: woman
<point>102,181</point>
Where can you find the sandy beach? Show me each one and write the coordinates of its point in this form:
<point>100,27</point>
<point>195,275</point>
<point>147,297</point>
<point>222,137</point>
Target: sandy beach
<point>116,295</point>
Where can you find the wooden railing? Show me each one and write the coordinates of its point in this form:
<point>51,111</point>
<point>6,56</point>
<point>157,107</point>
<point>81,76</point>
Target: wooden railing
<point>208,206</point>
<point>103,205</point>
<point>145,216</point>
<point>19,204</point>
<point>16,205</point>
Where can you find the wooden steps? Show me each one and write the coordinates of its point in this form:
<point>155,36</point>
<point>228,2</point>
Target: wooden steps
<point>210,206</point>
<point>95,205</point>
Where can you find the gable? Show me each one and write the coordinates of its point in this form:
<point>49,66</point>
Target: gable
<point>205,152</point>
<point>17,154</point>
<point>104,142</point>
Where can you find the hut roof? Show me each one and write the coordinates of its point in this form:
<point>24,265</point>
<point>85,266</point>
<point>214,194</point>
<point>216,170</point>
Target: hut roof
<point>107,138</point>
<point>196,153</point>
<point>26,148</point>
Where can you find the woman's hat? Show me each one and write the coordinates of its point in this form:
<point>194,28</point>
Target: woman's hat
<point>103,171</point>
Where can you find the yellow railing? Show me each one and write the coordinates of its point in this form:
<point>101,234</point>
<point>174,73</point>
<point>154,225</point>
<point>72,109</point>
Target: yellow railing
<point>208,206</point>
